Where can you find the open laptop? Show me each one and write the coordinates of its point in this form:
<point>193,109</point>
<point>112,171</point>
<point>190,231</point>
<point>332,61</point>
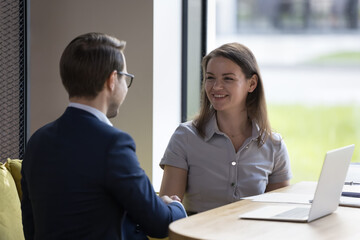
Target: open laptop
<point>327,194</point>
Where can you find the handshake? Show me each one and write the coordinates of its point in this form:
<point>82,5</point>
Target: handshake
<point>166,199</point>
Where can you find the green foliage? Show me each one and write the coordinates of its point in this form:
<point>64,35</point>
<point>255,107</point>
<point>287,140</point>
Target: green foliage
<point>338,58</point>
<point>310,131</point>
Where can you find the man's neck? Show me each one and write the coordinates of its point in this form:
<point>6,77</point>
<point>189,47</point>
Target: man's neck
<point>95,103</point>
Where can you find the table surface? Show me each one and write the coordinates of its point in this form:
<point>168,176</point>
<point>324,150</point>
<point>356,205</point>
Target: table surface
<point>224,223</point>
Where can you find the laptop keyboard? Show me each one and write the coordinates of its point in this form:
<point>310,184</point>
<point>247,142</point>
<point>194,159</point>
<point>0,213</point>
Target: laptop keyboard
<point>294,213</point>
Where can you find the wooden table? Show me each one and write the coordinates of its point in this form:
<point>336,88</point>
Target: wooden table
<point>223,223</point>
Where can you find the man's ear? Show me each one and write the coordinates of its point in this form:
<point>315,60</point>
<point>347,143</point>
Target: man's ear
<point>111,81</point>
<point>253,83</point>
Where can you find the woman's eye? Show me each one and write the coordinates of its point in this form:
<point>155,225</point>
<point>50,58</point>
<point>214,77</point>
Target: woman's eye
<point>210,78</point>
<point>228,79</point>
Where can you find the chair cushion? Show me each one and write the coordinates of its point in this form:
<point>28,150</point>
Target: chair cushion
<point>14,167</point>
<point>10,210</point>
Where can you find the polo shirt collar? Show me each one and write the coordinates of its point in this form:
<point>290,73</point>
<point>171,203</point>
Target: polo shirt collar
<point>212,128</point>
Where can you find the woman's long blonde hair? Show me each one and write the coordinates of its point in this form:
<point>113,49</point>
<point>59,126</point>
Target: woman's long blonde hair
<point>255,101</point>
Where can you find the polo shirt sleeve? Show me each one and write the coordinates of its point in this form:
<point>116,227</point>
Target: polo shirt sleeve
<point>282,170</point>
<point>175,154</point>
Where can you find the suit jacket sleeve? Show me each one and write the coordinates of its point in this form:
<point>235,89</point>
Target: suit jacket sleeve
<point>133,191</point>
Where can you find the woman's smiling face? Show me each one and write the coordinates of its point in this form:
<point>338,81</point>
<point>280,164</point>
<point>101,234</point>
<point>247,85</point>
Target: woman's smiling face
<point>226,85</point>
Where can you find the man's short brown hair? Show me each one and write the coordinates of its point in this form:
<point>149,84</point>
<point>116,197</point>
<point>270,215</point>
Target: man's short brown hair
<point>88,61</point>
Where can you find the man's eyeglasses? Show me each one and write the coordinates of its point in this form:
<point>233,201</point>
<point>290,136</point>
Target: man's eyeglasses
<point>128,78</point>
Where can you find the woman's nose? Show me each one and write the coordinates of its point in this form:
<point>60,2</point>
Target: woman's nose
<point>218,84</point>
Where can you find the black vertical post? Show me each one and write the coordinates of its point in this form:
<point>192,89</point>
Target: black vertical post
<point>23,90</point>
<point>203,33</point>
<point>203,28</point>
<point>184,48</point>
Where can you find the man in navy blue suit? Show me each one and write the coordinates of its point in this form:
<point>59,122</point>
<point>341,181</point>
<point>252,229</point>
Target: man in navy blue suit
<point>80,177</point>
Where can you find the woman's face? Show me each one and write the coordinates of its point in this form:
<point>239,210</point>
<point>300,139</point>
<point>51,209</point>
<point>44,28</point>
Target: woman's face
<point>226,85</point>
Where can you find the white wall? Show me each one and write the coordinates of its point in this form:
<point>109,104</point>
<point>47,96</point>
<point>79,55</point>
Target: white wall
<point>53,24</point>
<point>167,78</point>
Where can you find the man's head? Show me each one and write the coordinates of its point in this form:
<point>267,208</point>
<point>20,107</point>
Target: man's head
<point>88,61</point>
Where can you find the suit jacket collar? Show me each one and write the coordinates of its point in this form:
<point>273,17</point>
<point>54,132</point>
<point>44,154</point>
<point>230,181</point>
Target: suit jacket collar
<point>100,115</point>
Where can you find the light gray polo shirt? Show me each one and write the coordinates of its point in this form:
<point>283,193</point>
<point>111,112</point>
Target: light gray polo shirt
<point>217,175</point>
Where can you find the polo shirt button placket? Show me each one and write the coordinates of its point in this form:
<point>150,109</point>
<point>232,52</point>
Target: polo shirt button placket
<point>233,163</point>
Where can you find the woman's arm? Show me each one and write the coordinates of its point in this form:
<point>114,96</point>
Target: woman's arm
<point>273,186</point>
<point>174,181</point>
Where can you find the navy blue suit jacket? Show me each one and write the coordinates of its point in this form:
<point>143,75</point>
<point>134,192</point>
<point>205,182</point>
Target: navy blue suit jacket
<point>81,177</point>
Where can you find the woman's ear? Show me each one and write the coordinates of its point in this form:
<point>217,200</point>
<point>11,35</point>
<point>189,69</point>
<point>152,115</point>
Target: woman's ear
<point>253,83</point>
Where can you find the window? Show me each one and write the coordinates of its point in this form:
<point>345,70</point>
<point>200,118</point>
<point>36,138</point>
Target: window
<point>194,44</point>
<point>308,52</point>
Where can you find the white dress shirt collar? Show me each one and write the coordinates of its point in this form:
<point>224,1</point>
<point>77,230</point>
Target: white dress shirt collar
<point>100,115</point>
